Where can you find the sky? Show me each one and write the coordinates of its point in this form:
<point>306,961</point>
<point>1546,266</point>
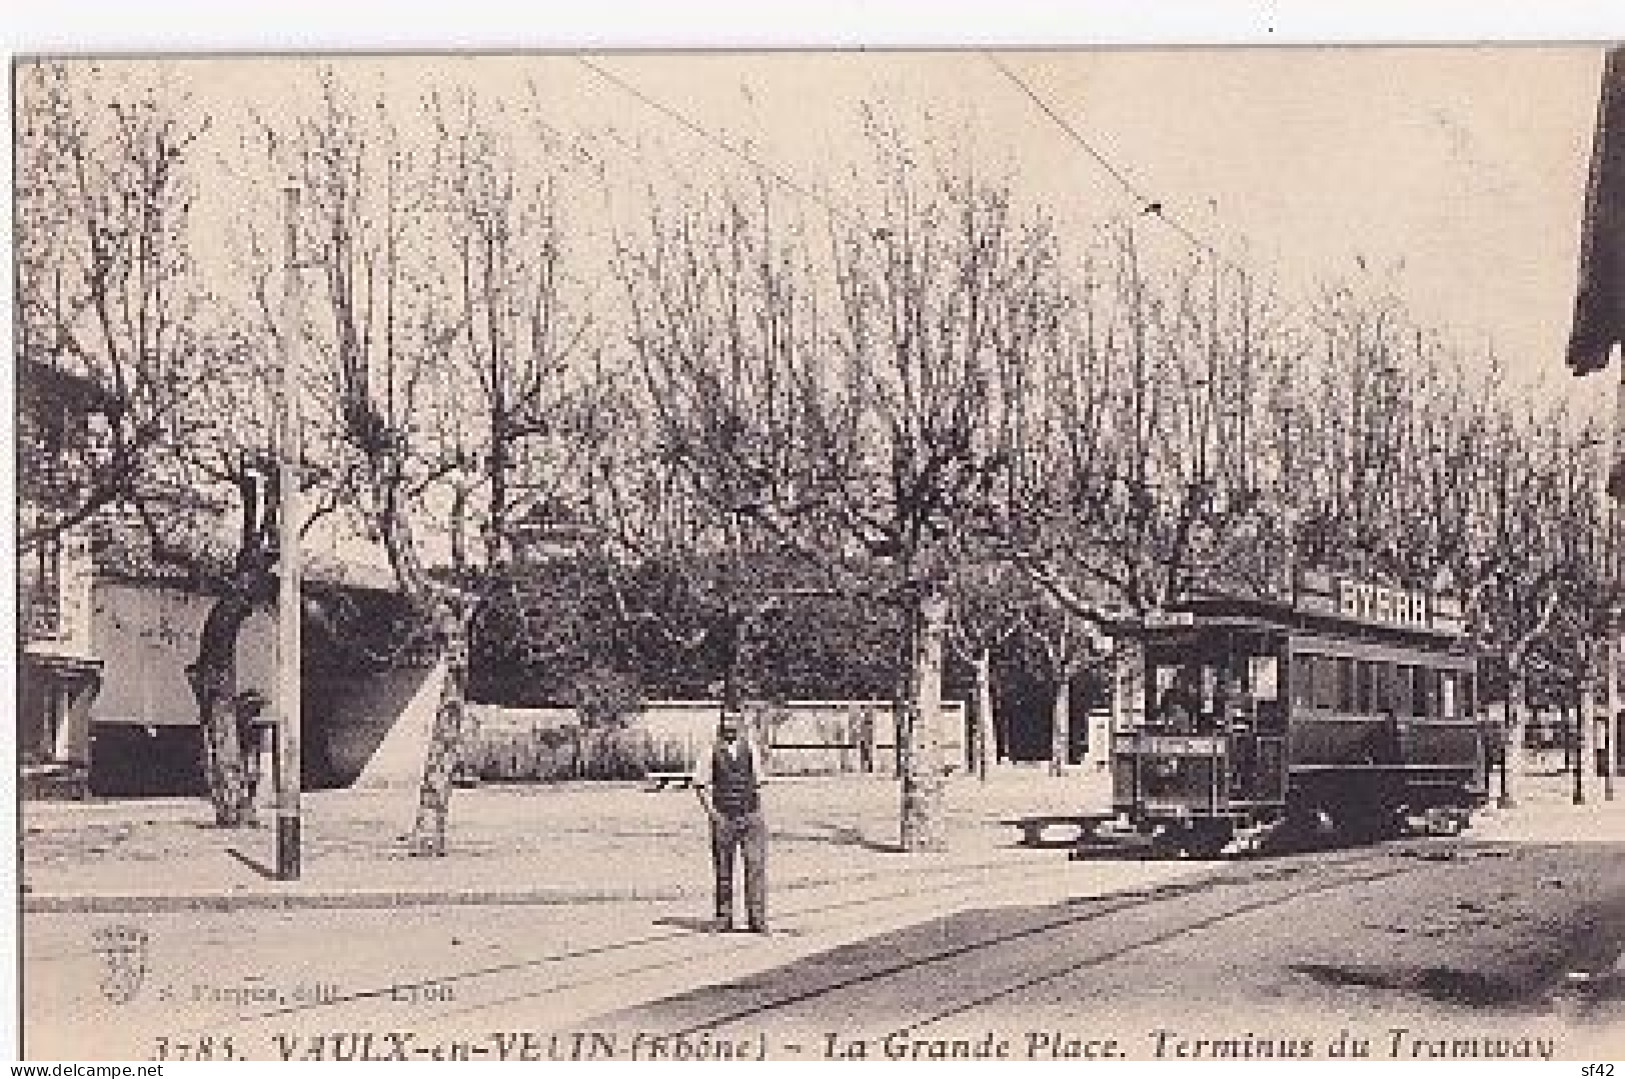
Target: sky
<point>1453,176</point>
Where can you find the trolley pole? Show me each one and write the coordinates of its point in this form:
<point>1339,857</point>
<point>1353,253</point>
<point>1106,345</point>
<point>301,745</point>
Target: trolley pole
<point>288,650</point>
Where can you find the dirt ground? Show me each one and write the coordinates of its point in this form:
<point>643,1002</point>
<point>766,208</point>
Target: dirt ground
<point>1485,949</point>
<point>562,908</point>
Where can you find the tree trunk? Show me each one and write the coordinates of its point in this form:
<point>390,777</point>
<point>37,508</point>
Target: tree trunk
<point>1060,745</point>
<point>1566,725</point>
<point>468,774</point>
<point>213,678</point>
<point>1114,698</point>
<point>922,826</point>
<point>1584,716</point>
<point>904,692</point>
<point>446,740</point>
<point>986,737</point>
<point>1517,752</point>
<point>731,627</point>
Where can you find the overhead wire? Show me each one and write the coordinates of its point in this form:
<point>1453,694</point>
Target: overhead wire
<point>698,129</point>
<point>1148,204</point>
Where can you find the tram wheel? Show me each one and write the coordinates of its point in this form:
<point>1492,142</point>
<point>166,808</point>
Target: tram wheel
<point>1207,842</point>
<point>1369,823</point>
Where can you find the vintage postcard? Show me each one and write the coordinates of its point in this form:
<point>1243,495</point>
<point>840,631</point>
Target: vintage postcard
<point>1069,554</point>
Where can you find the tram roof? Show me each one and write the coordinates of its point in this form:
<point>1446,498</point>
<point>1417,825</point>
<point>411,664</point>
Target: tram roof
<point>1266,614</point>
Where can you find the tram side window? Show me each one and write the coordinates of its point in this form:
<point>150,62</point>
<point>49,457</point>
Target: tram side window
<point>1268,692</point>
<point>1303,681</point>
<point>1365,687</point>
<point>1345,685</point>
<point>1382,685</point>
<point>1425,701</point>
<point>1404,689</point>
<point>1325,683</point>
<point>1263,677</point>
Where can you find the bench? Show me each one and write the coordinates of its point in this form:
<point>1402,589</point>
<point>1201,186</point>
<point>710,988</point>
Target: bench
<point>1033,829</point>
<point>659,781</point>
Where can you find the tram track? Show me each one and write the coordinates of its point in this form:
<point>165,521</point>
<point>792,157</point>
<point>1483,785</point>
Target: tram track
<point>1156,940</point>
<point>1100,907</point>
<point>629,945</point>
<point>643,950</point>
<point>862,910</point>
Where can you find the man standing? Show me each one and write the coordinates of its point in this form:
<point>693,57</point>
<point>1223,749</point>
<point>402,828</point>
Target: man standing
<point>728,780</point>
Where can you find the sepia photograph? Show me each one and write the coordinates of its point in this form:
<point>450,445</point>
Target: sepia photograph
<point>1099,554</point>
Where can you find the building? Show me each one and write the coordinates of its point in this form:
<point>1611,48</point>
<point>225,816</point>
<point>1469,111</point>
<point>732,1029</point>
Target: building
<point>144,733</point>
<point>58,673</point>
<point>103,703</point>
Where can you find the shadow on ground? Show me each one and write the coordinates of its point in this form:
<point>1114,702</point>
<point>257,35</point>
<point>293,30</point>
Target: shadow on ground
<point>265,872</point>
<point>691,924</point>
<point>839,835</point>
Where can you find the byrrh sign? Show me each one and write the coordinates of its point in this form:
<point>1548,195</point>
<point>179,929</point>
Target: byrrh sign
<point>1374,603</point>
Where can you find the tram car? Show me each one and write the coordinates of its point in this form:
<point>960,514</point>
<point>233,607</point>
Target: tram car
<point>1351,709</point>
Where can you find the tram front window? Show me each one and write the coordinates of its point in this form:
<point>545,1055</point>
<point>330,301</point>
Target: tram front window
<point>1213,694</point>
<point>1190,697</point>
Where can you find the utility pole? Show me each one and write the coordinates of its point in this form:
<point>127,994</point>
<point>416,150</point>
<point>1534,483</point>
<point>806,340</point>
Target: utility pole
<point>1610,727</point>
<point>1614,648</point>
<point>1505,800</point>
<point>289,682</point>
<point>1613,641</point>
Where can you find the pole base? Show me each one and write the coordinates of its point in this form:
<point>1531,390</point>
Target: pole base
<point>1506,801</point>
<point>287,847</point>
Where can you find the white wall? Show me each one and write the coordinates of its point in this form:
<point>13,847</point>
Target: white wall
<point>145,636</point>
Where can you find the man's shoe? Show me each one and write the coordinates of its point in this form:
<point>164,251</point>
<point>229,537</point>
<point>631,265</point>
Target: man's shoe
<point>722,925</point>
<point>759,927</point>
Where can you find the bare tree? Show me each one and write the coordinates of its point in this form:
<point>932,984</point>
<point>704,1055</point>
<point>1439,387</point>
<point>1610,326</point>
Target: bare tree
<point>858,439</point>
<point>949,284</point>
<point>450,351</point>
<point>984,615</point>
<point>383,335</point>
<point>233,478</point>
<point>525,349</point>
<point>105,288</point>
<point>1065,644</point>
<point>108,288</point>
<point>104,282</point>
<point>525,345</point>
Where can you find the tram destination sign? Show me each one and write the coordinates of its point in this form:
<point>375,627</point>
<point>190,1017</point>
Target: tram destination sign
<point>1176,746</point>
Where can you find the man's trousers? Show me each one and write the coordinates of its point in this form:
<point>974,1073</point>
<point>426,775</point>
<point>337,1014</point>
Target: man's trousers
<point>746,834</point>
